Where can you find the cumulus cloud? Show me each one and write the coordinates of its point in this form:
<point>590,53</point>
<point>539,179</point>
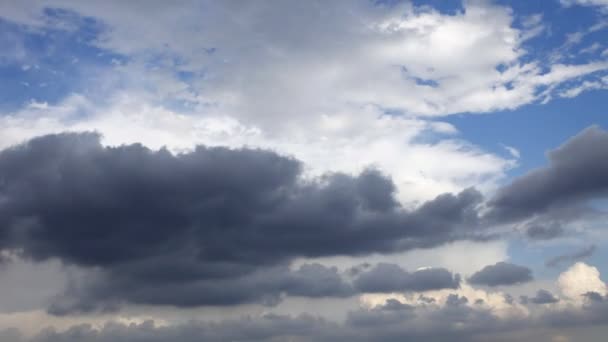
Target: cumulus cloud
<point>501,273</point>
<point>580,279</point>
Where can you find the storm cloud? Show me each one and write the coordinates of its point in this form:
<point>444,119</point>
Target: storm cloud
<point>214,226</point>
<point>386,277</point>
<point>501,273</point>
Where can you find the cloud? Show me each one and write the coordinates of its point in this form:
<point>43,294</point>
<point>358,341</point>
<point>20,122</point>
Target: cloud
<point>602,83</point>
<point>345,142</point>
<point>576,172</point>
<point>29,285</point>
<point>454,317</point>
<point>264,285</point>
<point>213,226</point>
<point>333,98</point>
<point>339,86</point>
<point>594,296</point>
<point>580,279</point>
<point>571,257</point>
<point>543,297</point>
<point>501,273</point>
<point>391,321</point>
<point>386,277</point>
<point>544,232</point>
<point>420,61</point>
<point>599,3</point>
<point>316,280</point>
<point>388,322</point>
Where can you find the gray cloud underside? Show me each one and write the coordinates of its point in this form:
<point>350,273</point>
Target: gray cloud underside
<point>544,232</point>
<point>577,171</point>
<point>210,227</point>
<point>392,278</point>
<point>501,273</point>
<point>542,297</point>
<point>392,321</point>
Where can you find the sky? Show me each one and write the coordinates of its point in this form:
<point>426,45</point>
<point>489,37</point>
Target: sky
<point>303,170</point>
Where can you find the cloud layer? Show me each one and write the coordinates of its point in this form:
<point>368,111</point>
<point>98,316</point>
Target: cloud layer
<point>210,227</point>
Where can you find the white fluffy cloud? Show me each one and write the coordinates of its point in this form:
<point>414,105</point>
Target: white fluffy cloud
<point>579,279</point>
<point>573,283</point>
<point>290,62</point>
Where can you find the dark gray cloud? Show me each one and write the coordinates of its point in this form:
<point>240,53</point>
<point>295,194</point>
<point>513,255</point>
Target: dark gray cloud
<point>544,232</point>
<point>392,321</point>
<point>577,170</point>
<point>357,269</point>
<point>316,280</point>
<point>501,273</point>
<point>386,277</point>
<point>559,260</point>
<point>542,297</point>
<point>594,297</point>
<point>456,300</point>
<point>265,286</point>
<point>214,226</point>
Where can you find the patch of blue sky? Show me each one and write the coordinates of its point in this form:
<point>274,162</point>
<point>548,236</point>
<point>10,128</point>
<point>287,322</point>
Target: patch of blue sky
<point>521,252</point>
<point>533,129</point>
<point>426,82</point>
<point>442,6</point>
<point>535,255</point>
<point>180,106</point>
<point>560,26</point>
<point>48,63</point>
<point>418,80</point>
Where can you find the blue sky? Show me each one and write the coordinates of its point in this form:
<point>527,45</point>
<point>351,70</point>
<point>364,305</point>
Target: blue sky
<point>437,96</point>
